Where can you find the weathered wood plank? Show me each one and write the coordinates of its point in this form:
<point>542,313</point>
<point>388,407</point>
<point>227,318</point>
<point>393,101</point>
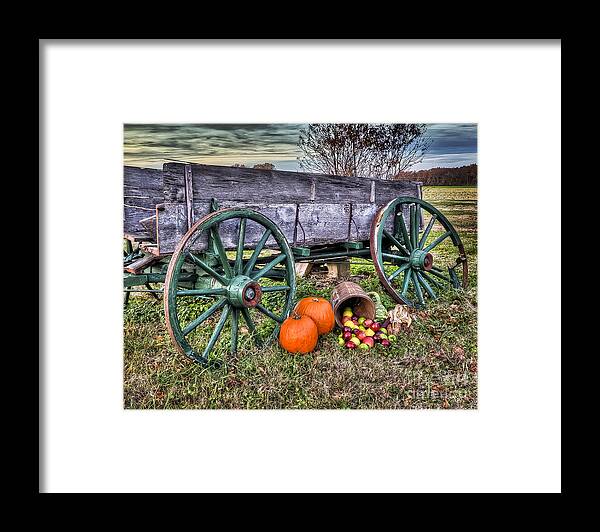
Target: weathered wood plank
<point>174,182</point>
<point>142,190</point>
<point>322,223</point>
<point>171,226</point>
<point>249,185</point>
<point>149,224</point>
<point>141,264</point>
<point>305,224</point>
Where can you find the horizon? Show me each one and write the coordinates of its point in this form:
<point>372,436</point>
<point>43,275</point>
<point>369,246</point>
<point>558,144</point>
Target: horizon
<point>150,145</point>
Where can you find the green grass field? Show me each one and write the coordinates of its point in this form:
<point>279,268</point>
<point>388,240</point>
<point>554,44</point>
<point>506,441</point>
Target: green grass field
<point>432,365</point>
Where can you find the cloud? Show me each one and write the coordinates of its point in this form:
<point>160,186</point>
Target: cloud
<point>226,144</point>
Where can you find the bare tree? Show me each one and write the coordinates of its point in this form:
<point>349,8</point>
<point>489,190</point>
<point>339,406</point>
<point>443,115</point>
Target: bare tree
<point>374,150</point>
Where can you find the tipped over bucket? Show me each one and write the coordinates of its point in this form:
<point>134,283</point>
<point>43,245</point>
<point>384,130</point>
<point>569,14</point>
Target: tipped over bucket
<point>349,294</point>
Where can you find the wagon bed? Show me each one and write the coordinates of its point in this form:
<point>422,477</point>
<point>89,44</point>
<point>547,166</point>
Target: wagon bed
<point>311,209</point>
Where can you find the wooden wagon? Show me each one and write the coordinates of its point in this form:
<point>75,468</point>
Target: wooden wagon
<point>229,238</point>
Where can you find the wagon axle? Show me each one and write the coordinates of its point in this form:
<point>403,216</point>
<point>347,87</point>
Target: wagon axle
<point>244,292</point>
<point>421,260</point>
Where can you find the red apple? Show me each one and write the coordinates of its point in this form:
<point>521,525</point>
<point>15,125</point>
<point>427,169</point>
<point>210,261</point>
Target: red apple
<point>350,345</point>
<point>361,335</point>
<point>375,326</point>
<point>347,335</point>
<point>385,343</point>
<point>367,323</point>
<point>369,341</point>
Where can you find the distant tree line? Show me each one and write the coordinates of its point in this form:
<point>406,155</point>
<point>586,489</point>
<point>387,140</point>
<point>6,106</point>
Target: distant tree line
<point>463,175</point>
<point>259,166</point>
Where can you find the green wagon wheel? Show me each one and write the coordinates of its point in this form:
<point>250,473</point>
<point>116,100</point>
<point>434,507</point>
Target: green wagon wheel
<point>253,290</point>
<point>421,250</point>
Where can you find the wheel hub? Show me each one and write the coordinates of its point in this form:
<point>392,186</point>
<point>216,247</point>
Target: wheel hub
<point>244,292</point>
<point>421,260</point>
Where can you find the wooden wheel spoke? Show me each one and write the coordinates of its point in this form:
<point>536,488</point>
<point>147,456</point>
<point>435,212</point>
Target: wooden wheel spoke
<point>427,230</point>
<point>437,241</point>
<point>268,313</point>
<point>214,231</point>
<point>267,268</point>
<point>404,232</point>
<point>234,329</point>
<point>396,242</point>
<point>251,326</point>
<point>204,316</point>
<point>240,247</point>
<point>398,272</point>
<point>426,285</point>
<point>414,226</point>
<point>277,288</point>
<point>214,292</point>
<point>432,280</point>
<point>201,264</point>
<point>418,288</point>
<point>392,257</point>
<point>437,272</point>
<point>406,282</point>
<point>217,332</point>
<point>259,247</point>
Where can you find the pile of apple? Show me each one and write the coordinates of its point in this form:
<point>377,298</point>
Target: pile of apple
<point>362,332</point>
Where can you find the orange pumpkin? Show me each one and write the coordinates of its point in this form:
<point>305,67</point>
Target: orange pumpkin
<point>298,334</point>
<point>319,310</point>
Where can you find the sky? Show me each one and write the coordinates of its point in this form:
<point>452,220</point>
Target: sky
<point>151,145</point>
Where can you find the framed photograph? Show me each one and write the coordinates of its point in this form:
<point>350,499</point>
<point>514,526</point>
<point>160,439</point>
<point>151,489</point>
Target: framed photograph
<point>299,266</point>
<point>290,266</point>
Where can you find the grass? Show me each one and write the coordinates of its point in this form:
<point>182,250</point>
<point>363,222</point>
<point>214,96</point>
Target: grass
<point>432,365</point>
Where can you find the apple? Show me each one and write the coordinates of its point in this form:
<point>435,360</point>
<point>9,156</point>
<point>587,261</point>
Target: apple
<point>370,332</point>
<point>367,323</point>
<point>362,327</point>
<point>355,331</point>
<point>361,320</point>
<point>363,346</point>
<point>385,343</point>
<point>347,335</point>
<point>350,345</point>
<point>375,326</point>
<point>361,335</point>
<point>369,341</point>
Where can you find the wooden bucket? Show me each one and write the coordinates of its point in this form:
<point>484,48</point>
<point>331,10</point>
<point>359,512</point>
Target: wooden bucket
<point>349,294</point>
